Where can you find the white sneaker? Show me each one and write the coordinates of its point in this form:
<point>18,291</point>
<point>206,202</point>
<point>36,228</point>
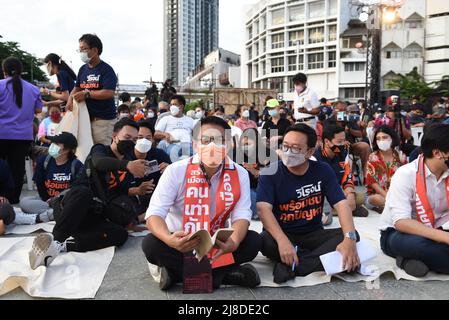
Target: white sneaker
<point>44,251</point>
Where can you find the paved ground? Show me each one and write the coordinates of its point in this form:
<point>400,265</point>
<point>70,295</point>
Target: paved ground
<point>128,278</point>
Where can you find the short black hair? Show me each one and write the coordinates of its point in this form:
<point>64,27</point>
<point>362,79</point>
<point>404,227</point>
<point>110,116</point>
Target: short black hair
<point>215,121</point>
<point>392,133</point>
<point>125,97</point>
<point>146,124</point>
<point>180,99</point>
<point>323,100</point>
<point>219,109</point>
<point>331,131</point>
<point>300,78</point>
<point>124,123</point>
<point>92,41</point>
<point>123,108</point>
<point>435,138</point>
<point>305,129</point>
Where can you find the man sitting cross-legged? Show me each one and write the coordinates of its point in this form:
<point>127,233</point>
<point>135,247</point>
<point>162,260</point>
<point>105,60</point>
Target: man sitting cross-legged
<point>290,206</point>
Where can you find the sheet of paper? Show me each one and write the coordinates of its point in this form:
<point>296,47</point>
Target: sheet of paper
<point>333,262</point>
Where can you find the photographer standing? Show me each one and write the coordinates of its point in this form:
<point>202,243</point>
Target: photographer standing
<point>398,122</point>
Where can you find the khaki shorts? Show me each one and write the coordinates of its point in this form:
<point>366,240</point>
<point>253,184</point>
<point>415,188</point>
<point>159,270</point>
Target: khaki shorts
<point>102,131</point>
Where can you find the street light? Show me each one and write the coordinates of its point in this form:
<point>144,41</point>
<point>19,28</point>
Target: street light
<point>374,13</point>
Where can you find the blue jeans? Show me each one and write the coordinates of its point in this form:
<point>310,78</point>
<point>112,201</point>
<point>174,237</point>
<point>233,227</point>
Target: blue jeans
<point>434,255</point>
<point>176,150</point>
<point>254,203</point>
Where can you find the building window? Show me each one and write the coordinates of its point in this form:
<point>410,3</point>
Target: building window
<point>277,84</point>
<point>333,7</point>
<point>277,41</point>
<point>250,32</point>
<point>264,68</point>
<point>414,24</point>
<point>294,64</point>
<point>296,38</point>
<point>263,23</point>
<point>412,53</point>
<point>316,35</point>
<point>393,54</point>
<point>250,53</point>
<point>354,93</point>
<point>277,17</point>
<point>317,9</point>
<point>264,45</point>
<point>277,65</point>
<point>393,26</point>
<point>296,13</point>
<point>332,33</point>
<point>316,61</point>
<point>354,66</point>
<point>332,59</point>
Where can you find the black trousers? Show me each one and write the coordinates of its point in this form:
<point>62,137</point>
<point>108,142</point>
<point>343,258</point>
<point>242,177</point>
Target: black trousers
<point>15,152</point>
<point>90,230</point>
<point>310,247</point>
<point>158,253</point>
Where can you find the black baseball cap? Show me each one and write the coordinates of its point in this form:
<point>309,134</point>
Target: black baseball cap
<point>65,138</point>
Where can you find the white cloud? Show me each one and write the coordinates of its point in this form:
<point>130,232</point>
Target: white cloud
<point>131,31</point>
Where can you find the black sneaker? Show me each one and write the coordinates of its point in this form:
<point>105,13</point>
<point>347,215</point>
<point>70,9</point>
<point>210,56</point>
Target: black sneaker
<point>282,273</point>
<point>167,279</point>
<point>415,268</point>
<point>360,212</point>
<point>243,276</point>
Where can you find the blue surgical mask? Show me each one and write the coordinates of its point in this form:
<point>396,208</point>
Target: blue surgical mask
<point>54,151</point>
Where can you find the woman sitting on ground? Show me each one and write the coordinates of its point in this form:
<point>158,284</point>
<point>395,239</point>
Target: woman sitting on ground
<point>382,165</point>
<point>54,174</point>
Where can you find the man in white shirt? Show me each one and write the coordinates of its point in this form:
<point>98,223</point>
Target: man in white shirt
<point>306,104</point>
<point>219,177</point>
<point>416,209</point>
<point>175,131</point>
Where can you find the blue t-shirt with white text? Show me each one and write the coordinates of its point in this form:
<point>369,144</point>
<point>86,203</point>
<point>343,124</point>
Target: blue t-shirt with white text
<point>298,200</point>
<point>102,77</point>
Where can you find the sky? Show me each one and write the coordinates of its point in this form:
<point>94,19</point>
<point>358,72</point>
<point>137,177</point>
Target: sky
<point>131,31</point>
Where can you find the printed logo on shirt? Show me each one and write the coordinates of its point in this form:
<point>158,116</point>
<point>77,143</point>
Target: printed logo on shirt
<point>58,183</point>
<point>113,183</point>
<point>93,82</point>
<point>308,206</point>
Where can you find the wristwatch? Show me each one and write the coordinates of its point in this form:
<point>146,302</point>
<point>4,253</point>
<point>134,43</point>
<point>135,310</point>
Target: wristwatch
<point>87,95</point>
<point>351,235</point>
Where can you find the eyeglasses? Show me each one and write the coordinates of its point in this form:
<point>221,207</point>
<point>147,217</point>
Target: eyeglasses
<point>220,140</point>
<point>294,150</point>
<point>82,50</point>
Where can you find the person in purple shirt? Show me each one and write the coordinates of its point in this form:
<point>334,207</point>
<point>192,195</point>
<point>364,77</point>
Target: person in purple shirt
<point>19,102</point>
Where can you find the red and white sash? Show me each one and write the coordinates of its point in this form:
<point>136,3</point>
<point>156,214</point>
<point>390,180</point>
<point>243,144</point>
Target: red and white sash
<point>197,203</point>
<point>423,208</point>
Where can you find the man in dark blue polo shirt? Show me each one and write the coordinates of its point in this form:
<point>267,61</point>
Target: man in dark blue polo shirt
<point>96,84</point>
<point>290,206</point>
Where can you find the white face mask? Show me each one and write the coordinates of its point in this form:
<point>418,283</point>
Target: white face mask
<point>174,110</point>
<point>143,145</point>
<point>123,115</point>
<point>385,145</point>
<point>84,57</point>
<point>49,68</point>
<point>151,115</point>
<point>199,115</point>
<point>245,114</point>
<point>291,160</point>
<point>299,89</point>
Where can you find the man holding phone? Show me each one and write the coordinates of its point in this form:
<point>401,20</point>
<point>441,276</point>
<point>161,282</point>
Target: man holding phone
<point>156,162</point>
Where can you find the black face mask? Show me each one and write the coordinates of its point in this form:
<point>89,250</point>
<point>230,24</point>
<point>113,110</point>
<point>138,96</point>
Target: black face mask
<point>163,111</point>
<point>337,149</point>
<point>283,116</point>
<point>125,146</point>
<point>446,162</point>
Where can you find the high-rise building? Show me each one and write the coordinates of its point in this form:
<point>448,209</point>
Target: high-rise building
<point>437,40</point>
<point>190,34</point>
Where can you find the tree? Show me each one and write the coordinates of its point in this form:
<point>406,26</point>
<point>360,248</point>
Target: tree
<point>31,70</point>
<point>412,84</point>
